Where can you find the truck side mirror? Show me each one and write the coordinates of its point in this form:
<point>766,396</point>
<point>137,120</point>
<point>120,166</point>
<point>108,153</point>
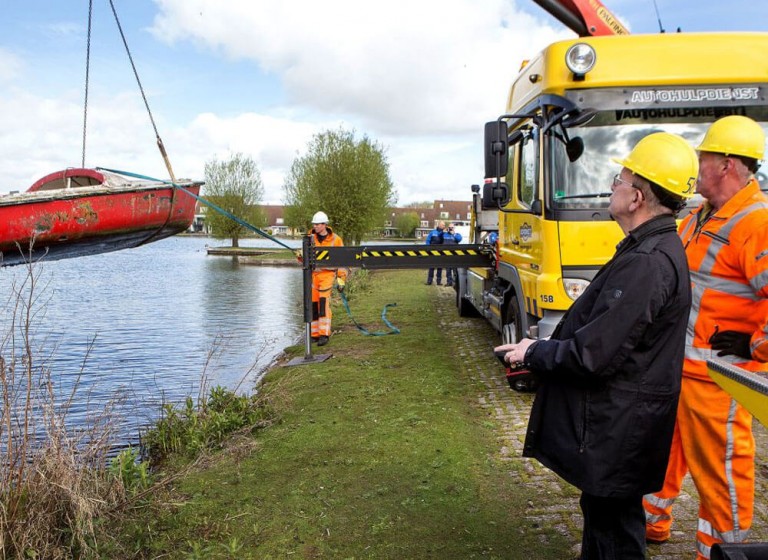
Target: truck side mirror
<point>496,149</point>
<point>495,195</point>
<point>574,148</point>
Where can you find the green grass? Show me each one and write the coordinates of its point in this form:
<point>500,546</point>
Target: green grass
<point>381,452</point>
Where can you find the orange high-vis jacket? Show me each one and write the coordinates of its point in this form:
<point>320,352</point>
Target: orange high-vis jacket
<point>728,258</point>
<point>331,240</point>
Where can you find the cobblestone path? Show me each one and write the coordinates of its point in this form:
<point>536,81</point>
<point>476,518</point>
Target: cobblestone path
<point>558,503</point>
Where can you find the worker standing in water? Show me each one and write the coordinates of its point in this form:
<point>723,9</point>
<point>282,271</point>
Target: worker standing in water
<point>323,280</point>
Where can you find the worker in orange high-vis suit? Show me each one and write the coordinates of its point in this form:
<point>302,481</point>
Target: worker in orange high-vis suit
<point>323,280</point>
<point>726,241</point>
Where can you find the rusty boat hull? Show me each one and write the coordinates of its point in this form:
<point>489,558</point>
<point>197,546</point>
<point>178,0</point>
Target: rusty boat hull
<point>79,212</point>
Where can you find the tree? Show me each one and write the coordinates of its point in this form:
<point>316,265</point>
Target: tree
<point>347,179</point>
<point>406,223</point>
<point>235,186</point>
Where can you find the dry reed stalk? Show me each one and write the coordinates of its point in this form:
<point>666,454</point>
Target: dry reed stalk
<point>53,479</point>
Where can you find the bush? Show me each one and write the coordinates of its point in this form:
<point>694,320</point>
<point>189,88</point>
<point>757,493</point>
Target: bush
<point>188,430</point>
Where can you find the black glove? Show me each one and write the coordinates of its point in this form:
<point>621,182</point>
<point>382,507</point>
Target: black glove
<point>732,342</point>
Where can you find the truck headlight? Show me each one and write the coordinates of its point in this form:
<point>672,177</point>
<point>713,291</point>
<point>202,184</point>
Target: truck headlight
<point>574,287</point>
<point>580,58</point>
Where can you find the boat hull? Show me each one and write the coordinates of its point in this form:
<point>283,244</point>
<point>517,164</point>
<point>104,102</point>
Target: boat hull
<point>74,222</point>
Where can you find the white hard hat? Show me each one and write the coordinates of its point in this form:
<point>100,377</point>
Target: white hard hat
<point>320,218</point>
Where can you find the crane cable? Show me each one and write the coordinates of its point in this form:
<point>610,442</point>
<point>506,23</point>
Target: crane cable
<point>143,96</point>
<point>87,76</point>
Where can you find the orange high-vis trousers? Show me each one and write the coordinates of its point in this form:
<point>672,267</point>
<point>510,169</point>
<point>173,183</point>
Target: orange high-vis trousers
<point>713,441</point>
<point>322,285</point>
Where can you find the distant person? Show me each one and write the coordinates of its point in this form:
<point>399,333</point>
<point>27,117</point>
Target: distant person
<point>609,376</point>
<point>323,280</point>
<point>450,237</point>
<point>435,237</point>
<point>726,242</point>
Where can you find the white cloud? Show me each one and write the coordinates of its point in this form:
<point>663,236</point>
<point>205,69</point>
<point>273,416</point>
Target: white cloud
<point>420,77</point>
<point>63,29</point>
<point>398,68</point>
<point>272,143</point>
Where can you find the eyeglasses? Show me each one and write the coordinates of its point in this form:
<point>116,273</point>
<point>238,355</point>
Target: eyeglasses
<point>617,180</point>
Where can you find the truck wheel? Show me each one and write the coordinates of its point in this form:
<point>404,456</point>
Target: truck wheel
<point>466,309</point>
<point>512,330</point>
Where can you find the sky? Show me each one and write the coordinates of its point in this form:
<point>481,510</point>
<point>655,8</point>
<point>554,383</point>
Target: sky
<point>261,77</point>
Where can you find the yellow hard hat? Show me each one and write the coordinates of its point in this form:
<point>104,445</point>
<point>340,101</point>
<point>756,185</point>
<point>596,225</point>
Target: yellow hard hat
<point>736,136</point>
<point>667,160</point>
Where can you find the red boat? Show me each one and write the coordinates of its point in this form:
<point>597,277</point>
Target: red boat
<point>78,212</point>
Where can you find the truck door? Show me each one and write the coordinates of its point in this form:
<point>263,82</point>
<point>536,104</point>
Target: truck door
<point>523,230</point>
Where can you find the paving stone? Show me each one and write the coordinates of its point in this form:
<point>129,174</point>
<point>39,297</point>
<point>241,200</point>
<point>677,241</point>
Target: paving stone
<point>560,509</point>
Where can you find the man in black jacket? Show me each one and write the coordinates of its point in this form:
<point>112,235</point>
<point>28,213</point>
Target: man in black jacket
<point>609,375</point>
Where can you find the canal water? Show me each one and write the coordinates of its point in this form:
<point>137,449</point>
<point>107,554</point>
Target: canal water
<point>148,325</point>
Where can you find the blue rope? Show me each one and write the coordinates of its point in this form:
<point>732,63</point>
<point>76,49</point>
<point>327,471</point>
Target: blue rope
<point>392,329</point>
<point>204,201</point>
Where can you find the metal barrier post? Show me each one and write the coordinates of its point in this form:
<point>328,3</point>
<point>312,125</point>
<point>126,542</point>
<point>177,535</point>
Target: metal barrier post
<point>308,265</point>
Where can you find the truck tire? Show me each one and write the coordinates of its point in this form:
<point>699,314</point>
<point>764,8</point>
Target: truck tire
<point>466,309</point>
<point>512,330</point>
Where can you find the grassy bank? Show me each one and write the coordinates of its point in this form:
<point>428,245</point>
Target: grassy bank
<point>381,452</point>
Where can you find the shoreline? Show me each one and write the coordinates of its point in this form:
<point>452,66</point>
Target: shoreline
<point>256,256</point>
<point>404,446</point>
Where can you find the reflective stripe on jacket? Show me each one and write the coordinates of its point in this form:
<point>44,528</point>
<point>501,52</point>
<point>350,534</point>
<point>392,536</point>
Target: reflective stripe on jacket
<point>331,240</point>
<point>728,258</point>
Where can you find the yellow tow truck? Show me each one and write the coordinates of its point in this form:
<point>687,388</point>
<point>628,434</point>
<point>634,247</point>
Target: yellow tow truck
<point>544,205</point>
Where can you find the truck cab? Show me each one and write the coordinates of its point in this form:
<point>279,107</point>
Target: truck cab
<point>549,159</point>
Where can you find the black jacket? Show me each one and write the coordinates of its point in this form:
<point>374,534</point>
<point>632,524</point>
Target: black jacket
<point>610,374</point>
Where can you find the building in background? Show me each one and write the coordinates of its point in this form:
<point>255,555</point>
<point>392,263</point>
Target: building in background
<point>456,212</point>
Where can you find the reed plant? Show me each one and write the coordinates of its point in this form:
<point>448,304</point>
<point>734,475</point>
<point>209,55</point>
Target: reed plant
<point>59,483</point>
<point>358,282</point>
<point>54,480</point>
<point>186,431</point>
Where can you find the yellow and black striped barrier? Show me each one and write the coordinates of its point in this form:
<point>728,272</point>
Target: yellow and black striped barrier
<point>749,388</point>
<point>403,256</point>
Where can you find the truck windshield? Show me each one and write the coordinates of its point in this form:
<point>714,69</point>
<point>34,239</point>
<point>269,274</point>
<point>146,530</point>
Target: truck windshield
<point>585,183</point>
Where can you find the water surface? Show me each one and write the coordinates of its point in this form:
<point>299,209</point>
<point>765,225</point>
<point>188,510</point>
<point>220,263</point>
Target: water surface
<point>149,322</point>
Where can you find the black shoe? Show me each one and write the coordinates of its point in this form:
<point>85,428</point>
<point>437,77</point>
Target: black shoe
<point>314,340</point>
<point>322,341</point>
<point>439,283</point>
<point>429,283</point>
<point>449,284</point>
